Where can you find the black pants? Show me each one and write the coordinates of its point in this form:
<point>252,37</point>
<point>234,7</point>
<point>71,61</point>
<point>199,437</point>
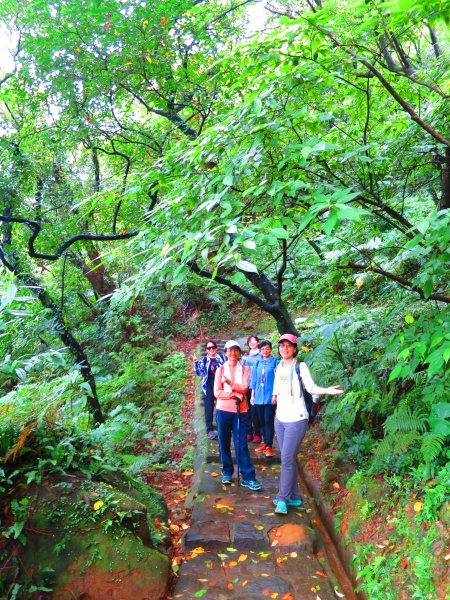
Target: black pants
<point>208,401</point>
<point>254,426</point>
<point>266,417</point>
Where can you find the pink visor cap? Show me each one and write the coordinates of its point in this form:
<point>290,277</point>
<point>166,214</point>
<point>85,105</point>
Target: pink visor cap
<point>289,338</point>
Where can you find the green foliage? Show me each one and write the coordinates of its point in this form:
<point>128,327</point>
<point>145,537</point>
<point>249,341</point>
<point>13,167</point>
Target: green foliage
<point>423,345</point>
<point>380,569</point>
<point>304,166</point>
<point>45,432</point>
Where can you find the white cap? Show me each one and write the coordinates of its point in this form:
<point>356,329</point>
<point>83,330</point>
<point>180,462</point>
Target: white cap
<point>232,344</point>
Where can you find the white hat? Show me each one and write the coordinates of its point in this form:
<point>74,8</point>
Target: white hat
<point>232,344</point>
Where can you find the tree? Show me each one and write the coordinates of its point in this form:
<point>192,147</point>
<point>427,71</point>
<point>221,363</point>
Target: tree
<point>290,161</point>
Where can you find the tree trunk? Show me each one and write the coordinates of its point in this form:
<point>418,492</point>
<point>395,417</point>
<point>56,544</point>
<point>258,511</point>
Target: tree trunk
<point>272,302</point>
<point>284,321</point>
<point>63,332</point>
<point>444,202</point>
<point>96,275</point>
<point>69,340</point>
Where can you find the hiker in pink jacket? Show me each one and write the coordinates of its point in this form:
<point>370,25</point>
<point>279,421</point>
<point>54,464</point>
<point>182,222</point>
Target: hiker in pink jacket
<point>230,388</point>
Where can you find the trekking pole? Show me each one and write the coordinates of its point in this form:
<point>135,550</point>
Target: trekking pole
<point>238,443</point>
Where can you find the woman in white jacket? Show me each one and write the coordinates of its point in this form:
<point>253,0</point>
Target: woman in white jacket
<point>291,419</point>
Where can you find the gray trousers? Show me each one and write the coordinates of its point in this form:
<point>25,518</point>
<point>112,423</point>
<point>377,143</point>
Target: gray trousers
<point>289,437</point>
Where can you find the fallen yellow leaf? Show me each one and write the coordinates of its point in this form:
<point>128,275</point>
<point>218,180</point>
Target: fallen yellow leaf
<point>224,506</point>
<point>417,507</point>
<point>232,563</point>
<point>242,558</point>
<point>336,485</point>
<point>98,504</point>
<point>196,551</point>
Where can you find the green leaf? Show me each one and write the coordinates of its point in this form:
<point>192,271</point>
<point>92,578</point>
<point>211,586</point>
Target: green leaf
<point>409,319</point>
<point>280,233</point>
<point>331,223</point>
<point>442,410</point>
<point>395,373</point>
<point>257,106</point>
<point>200,593</point>
<point>238,278</point>
<point>439,426</point>
<point>246,265</point>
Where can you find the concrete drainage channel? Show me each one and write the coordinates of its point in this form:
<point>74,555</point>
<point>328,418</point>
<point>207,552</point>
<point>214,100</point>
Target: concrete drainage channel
<point>337,556</point>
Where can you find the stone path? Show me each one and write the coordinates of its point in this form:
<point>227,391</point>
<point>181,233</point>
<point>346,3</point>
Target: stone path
<point>239,547</point>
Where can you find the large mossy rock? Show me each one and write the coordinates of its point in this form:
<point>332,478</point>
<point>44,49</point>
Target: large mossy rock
<point>94,541</point>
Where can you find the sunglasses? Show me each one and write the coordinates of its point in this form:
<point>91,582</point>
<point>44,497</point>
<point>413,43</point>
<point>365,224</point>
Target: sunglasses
<point>211,347</point>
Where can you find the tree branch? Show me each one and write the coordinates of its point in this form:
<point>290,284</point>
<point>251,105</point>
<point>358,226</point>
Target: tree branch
<point>283,267</point>
<point>397,278</point>
<point>36,228</point>
<point>223,281</point>
<point>392,91</point>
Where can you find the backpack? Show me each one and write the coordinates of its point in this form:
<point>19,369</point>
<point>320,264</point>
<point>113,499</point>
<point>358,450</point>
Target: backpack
<point>312,407</point>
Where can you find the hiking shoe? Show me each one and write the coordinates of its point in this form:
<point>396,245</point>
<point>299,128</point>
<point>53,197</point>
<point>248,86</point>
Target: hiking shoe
<point>292,503</point>
<point>227,480</point>
<point>251,484</point>
<point>260,448</point>
<point>280,508</point>
<point>269,451</point>
<point>256,439</point>
<point>211,435</point>
<point>250,437</point>
<point>297,502</point>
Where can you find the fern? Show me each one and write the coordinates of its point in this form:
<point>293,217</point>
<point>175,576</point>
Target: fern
<point>390,358</point>
<point>405,419</point>
<point>419,377</point>
<point>394,445</point>
<point>20,442</point>
<point>432,446</point>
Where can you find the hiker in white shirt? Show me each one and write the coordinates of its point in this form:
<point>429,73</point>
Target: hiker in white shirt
<point>291,419</point>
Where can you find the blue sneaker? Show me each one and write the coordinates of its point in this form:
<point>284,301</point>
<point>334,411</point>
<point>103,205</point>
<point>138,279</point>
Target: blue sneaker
<point>290,502</point>
<point>281,508</point>
<point>251,484</point>
<point>227,480</point>
<point>294,502</point>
